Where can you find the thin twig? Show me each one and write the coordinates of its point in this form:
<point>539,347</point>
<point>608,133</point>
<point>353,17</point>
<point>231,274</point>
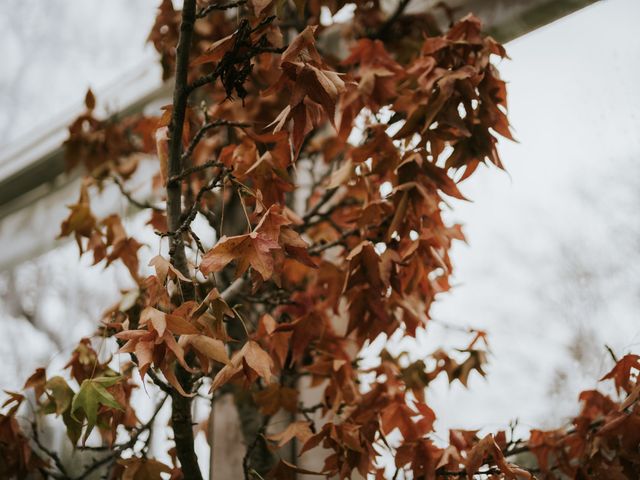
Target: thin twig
<point>191,215</point>
<point>612,353</point>
<point>317,249</point>
<point>196,168</point>
<point>316,208</point>
<point>384,30</point>
<point>217,7</point>
<point>197,240</point>
<point>133,201</point>
<point>463,473</point>
<point>233,290</point>
<point>246,461</point>
<point>50,453</point>
<point>159,382</point>
<point>306,411</point>
<point>204,129</point>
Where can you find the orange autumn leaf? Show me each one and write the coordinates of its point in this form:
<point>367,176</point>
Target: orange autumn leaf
<point>298,430</point>
<point>250,250</point>
<point>621,372</point>
<point>251,359</point>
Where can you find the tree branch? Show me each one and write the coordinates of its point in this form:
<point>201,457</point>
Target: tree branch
<point>181,406</point>
<point>133,201</point>
<point>316,208</point>
<point>384,30</point>
<point>159,382</point>
<point>186,223</point>
<point>196,168</point>
<point>246,461</point>
<point>318,249</point>
<point>50,453</point>
<point>204,129</point>
<point>216,7</point>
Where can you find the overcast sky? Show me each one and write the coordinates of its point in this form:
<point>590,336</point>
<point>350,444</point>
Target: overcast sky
<point>552,259</point>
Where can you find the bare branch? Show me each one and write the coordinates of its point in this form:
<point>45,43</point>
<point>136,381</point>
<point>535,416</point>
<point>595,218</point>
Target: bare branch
<point>316,208</point>
<point>246,461</point>
<point>204,129</point>
<point>181,406</point>
<point>186,224</point>
<point>384,30</point>
<point>133,201</point>
<point>217,7</point>
<point>50,453</point>
<point>196,168</point>
<point>317,249</point>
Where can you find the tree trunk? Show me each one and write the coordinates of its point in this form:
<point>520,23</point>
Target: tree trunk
<point>181,406</point>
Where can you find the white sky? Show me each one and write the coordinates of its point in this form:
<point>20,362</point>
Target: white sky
<point>52,51</point>
<point>567,204</point>
<point>552,244</point>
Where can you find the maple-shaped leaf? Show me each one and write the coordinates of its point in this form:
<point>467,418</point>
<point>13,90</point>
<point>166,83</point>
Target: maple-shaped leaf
<point>37,381</point>
<point>255,358</point>
<point>399,415</point>
<point>488,447</point>
<point>92,395</point>
<point>60,400</point>
<point>152,345</point>
<point>306,329</point>
<point>274,397</point>
<point>252,249</point>
<point>123,247</point>
<point>365,266</point>
<point>312,84</point>
<point>475,361</point>
<point>60,393</point>
<point>216,51</point>
<point>142,343</point>
<point>276,224</point>
<point>162,321</point>
<point>621,372</point>
<point>13,402</point>
<point>251,359</point>
<point>301,431</point>
<point>83,362</point>
<point>210,347</point>
<point>215,303</point>
<point>378,72</point>
<point>142,468</point>
<point>165,270</point>
<point>80,221</point>
<point>278,343</point>
<point>302,47</point>
<point>322,86</point>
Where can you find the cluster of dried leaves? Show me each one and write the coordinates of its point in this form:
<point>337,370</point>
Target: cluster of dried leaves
<point>322,158</point>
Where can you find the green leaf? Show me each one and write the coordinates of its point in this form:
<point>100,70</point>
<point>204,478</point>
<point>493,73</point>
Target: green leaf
<point>92,394</point>
<point>60,394</point>
<point>74,426</point>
